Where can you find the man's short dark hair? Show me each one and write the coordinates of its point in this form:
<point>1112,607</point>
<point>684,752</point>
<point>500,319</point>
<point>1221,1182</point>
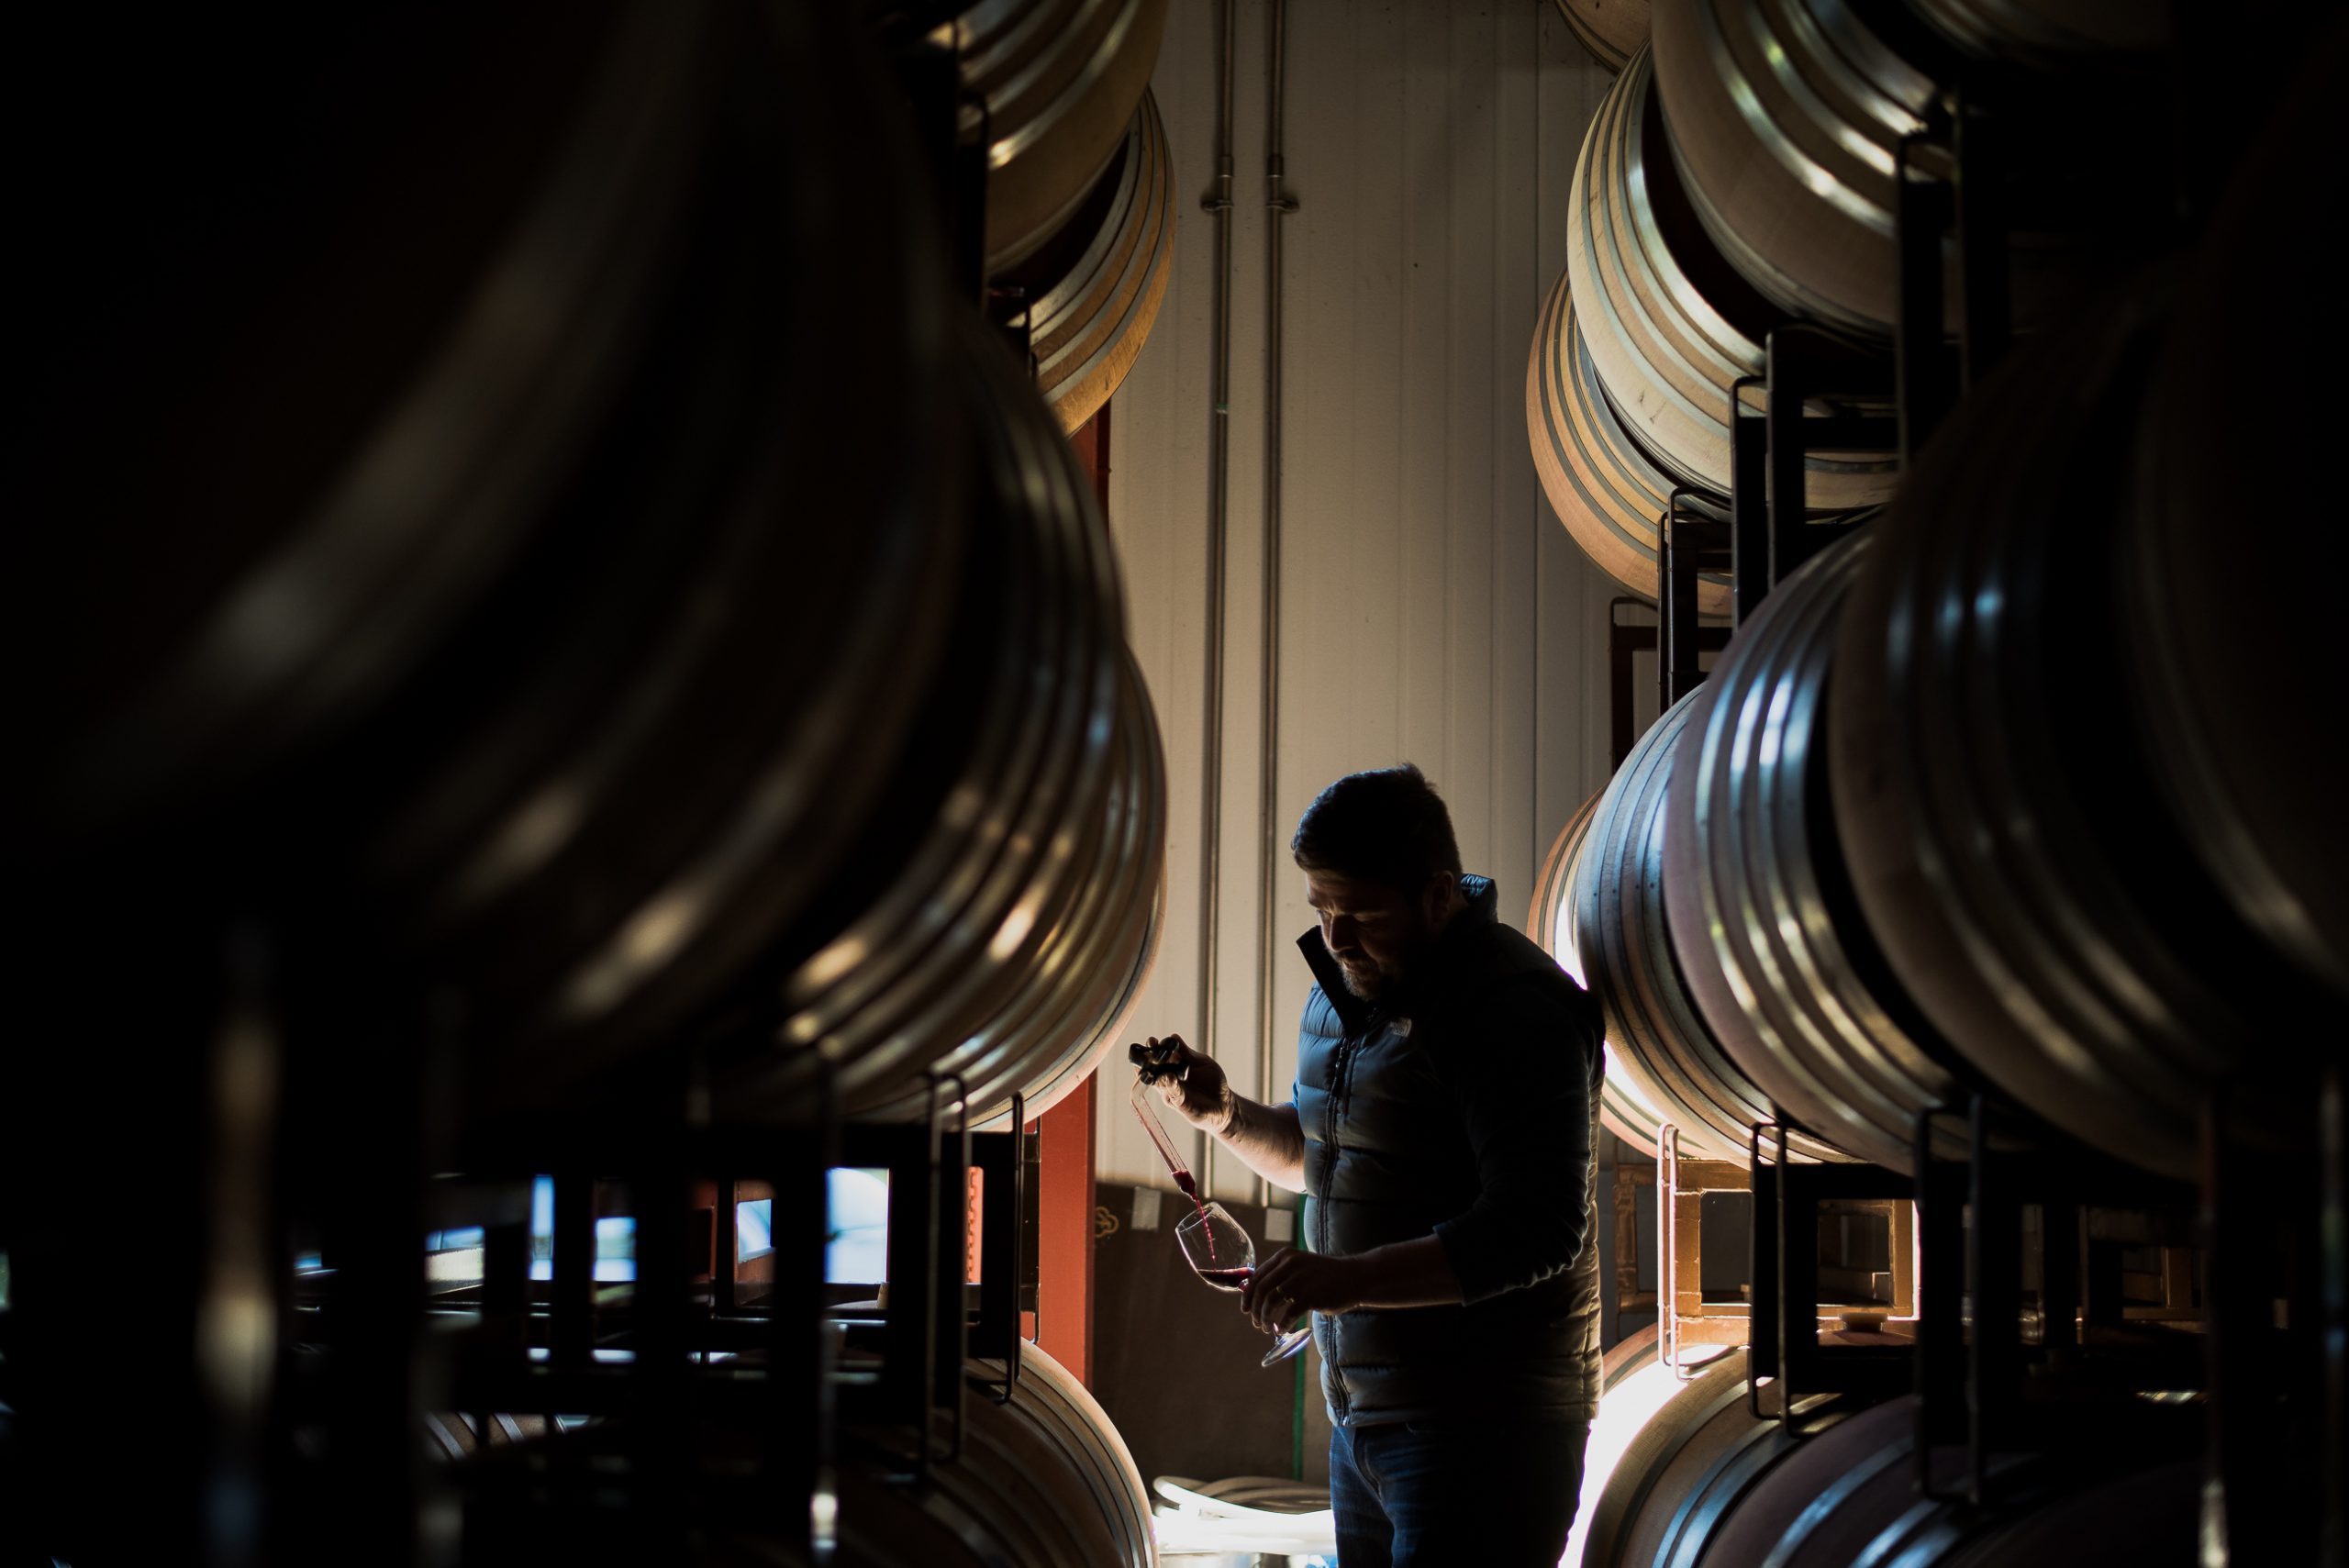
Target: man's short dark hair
<point>1387,826</point>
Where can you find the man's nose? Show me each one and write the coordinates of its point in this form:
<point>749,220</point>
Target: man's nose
<point>1339,932</point>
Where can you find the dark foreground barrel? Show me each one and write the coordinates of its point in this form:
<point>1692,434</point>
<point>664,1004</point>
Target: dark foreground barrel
<point>1705,1484</point>
<point>445,426</point>
<point>1010,890</point>
<point>2232,647</point>
<point>491,687</point>
<point>1044,1479</point>
<point>1088,971</point>
<point>355,453</point>
<point>1672,1465</point>
<point>1770,938</point>
<point>2003,830</point>
<point>2048,34</point>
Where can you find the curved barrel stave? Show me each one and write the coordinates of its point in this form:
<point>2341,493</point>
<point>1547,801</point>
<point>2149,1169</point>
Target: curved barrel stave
<point>1657,1042</point>
<point>1770,938</point>
<point>1671,326</point>
<point>1052,86</point>
<point>1995,809</point>
<point>1094,290</point>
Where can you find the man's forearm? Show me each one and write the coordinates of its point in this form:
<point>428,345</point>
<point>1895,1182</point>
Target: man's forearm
<point>1417,1273</point>
<point>1268,1140</point>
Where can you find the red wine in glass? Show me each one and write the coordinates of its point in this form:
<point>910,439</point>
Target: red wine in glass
<point>1217,1247</point>
<point>1222,1253</point>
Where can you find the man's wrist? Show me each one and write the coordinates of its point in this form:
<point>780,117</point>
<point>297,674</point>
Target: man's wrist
<point>1367,1278</point>
<point>1225,1120</point>
<point>1372,1277</point>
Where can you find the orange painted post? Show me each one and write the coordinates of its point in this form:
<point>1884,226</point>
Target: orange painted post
<point>1091,440</point>
<point>1064,1132</point>
<point>1064,1143</point>
<point>1064,1231</point>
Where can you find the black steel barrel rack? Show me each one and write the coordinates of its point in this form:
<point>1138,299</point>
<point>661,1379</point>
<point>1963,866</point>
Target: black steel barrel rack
<point>2033,1329</point>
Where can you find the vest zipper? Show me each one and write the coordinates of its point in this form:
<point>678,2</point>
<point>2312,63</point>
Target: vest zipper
<point>1341,1066</point>
<point>1341,1069</point>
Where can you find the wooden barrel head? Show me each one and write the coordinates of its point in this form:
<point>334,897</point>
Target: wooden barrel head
<point>1622,1108</point>
<point>1061,80</point>
<point>1094,289</point>
<point>1609,31</point>
<point>1657,1042</point>
<point>1610,494</point>
<point>1670,326</point>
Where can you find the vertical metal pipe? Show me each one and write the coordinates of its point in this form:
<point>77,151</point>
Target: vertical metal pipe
<point>1277,205</point>
<point>1219,204</point>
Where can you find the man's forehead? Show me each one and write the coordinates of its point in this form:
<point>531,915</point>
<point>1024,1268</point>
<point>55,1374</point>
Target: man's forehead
<point>1328,890</point>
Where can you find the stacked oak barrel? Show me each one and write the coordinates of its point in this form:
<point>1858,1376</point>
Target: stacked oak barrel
<point>1642,340</point>
<point>2006,799</point>
<point>1611,31</point>
<point>1080,213</point>
<point>542,620</point>
<point>1707,1480</point>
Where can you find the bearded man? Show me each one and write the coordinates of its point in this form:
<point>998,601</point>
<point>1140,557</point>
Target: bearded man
<point>1443,1128</point>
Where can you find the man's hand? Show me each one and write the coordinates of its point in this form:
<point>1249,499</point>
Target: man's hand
<point>1267,1138</point>
<point>1402,1273</point>
<point>1193,1085</point>
<point>1291,1284</point>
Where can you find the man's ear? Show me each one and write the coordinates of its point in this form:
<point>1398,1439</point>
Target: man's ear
<point>1437,897</point>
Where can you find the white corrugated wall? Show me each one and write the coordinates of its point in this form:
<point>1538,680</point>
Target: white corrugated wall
<point>1432,608</point>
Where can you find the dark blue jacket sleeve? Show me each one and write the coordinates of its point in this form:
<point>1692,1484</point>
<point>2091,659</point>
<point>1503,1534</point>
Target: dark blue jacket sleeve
<point>1525,1068</point>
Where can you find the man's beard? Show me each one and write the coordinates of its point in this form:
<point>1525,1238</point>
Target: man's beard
<point>1391,984</point>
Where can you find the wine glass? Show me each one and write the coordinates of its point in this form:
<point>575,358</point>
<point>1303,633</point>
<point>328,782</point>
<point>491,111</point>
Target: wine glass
<point>1219,1251</point>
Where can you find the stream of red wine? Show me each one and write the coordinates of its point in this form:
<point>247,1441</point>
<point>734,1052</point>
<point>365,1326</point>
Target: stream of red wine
<point>1191,1190</point>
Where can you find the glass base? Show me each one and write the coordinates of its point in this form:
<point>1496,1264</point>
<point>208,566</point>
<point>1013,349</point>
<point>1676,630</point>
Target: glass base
<point>1288,1345</point>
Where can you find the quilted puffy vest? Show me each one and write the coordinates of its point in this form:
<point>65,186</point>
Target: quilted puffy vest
<point>1390,1106</point>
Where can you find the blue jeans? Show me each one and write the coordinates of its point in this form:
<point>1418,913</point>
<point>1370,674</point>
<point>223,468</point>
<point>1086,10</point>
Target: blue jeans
<point>1445,1494</point>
